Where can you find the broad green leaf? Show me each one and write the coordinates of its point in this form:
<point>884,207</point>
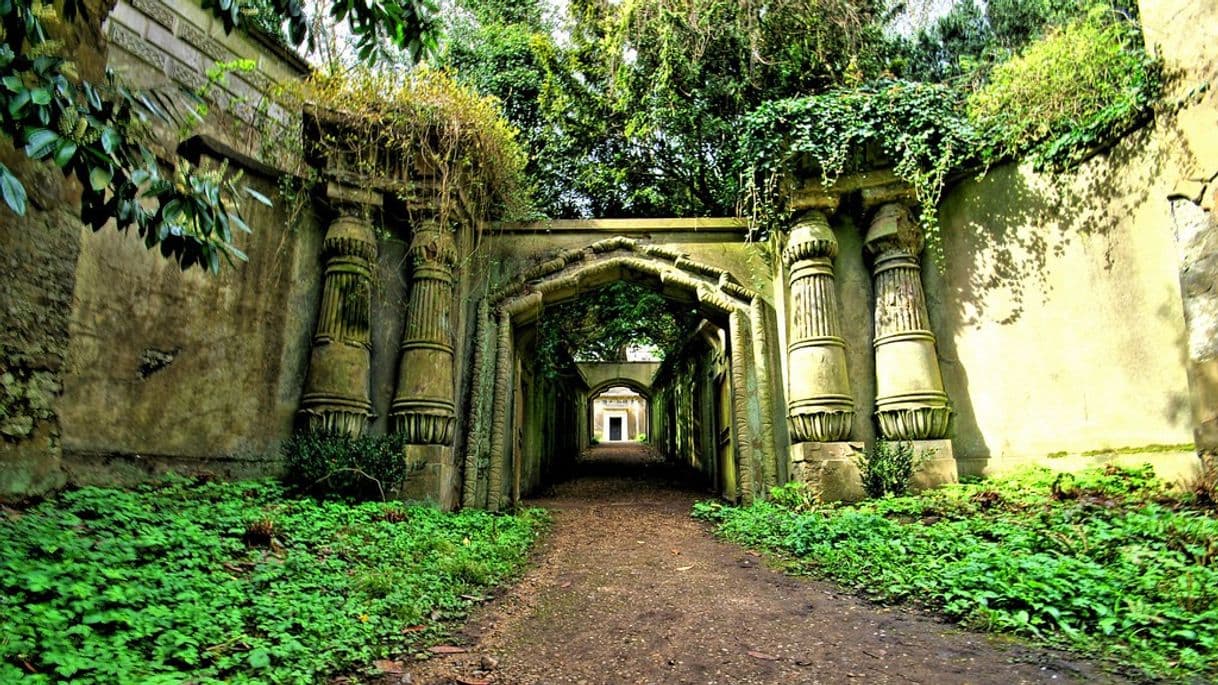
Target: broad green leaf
<point>12,191</point>
<point>258,196</point>
<point>110,140</point>
<point>39,141</point>
<point>64,152</point>
<point>99,177</point>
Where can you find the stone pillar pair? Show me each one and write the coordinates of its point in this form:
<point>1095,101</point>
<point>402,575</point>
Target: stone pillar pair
<point>910,402</point>
<point>336,396</point>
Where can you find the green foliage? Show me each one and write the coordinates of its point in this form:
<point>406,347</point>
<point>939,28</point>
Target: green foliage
<point>99,134</point>
<point>794,495</point>
<point>603,324</point>
<point>367,466</point>
<point>887,468</point>
<point>1079,86</point>
<point>1105,561</point>
<point>919,129</point>
<point>409,25</point>
<point>169,583</point>
<point>427,123</point>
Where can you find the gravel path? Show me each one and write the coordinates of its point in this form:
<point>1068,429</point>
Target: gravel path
<point>629,589</point>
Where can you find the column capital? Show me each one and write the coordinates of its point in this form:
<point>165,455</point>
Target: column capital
<point>810,238</point>
<point>893,228</point>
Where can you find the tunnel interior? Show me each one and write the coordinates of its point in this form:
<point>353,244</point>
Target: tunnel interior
<point>627,363</point>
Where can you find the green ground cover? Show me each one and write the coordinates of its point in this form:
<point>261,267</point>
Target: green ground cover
<point>1108,562</point>
<point>240,582</point>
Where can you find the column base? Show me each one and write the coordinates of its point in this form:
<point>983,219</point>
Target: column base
<point>937,468</point>
<point>430,476</point>
<point>829,469</point>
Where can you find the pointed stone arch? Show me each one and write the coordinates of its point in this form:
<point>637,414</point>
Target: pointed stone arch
<point>718,295</point>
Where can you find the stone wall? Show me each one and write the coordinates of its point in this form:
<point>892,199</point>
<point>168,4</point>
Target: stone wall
<point>113,362</point>
<point>1064,337</point>
<point>37,268</point>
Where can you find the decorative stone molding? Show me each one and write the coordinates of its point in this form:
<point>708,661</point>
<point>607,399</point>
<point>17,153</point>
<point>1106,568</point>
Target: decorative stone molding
<point>910,401</point>
<point>820,408</point>
<point>423,408</point>
<point>336,393</point>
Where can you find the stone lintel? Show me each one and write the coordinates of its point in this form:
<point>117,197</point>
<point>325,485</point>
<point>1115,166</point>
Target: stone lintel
<point>829,469</point>
<point>814,197</point>
<point>938,464</point>
<point>342,193</point>
<point>899,192</point>
<point>430,475</point>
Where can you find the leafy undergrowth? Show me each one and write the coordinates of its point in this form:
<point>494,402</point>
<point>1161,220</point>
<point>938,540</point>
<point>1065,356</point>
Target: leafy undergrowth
<point>1106,562</point>
<point>239,582</point>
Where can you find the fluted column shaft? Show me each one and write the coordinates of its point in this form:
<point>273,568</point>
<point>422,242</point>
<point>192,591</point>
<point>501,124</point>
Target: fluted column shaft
<point>820,408</point>
<point>336,396</point>
<point>423,407</point>
<point>910,401</point>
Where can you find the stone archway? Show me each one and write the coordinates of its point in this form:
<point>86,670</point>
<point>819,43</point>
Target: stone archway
<point>492,470</point>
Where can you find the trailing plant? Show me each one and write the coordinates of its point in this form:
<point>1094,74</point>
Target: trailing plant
<point>919,129</point>
<point>421,133</point>
<point>191,581</point>
<point>887,468</point>
<point>367,466</point>
<point>1108,562</point>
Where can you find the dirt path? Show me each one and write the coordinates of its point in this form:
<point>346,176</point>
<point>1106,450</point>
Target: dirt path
<point>629,589</point>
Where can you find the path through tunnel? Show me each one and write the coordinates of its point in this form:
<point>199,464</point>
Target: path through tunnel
<point>624,352</point>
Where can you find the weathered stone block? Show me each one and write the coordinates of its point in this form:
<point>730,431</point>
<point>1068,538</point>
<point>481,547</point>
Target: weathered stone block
<point>938,464</point>
<point>829,469</point>
<point>430,475</point>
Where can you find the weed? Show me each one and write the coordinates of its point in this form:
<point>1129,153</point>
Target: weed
<point>887,468</point>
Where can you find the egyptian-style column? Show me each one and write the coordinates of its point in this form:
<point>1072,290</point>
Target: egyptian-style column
<point>336,396</point>
<point>423,408</point>
<point>820,407</point>
<point>910,401</point>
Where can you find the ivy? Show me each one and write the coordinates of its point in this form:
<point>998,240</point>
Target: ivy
<point>921,130</point>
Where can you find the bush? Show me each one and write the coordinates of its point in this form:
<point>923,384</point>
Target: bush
<point>796,496</point>
<point>364,467</point>
<point>1080,85</point>
<point>887,468</point>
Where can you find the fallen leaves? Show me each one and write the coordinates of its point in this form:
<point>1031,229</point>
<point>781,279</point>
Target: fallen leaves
<point>447,649</point>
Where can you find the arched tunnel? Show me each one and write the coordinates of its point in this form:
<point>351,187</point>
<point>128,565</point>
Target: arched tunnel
<point>708,402</point>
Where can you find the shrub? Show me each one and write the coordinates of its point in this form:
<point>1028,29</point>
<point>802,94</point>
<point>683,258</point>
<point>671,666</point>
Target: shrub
<point>887,468</point>
<point>364,467</point>
<point>1080,85</point>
